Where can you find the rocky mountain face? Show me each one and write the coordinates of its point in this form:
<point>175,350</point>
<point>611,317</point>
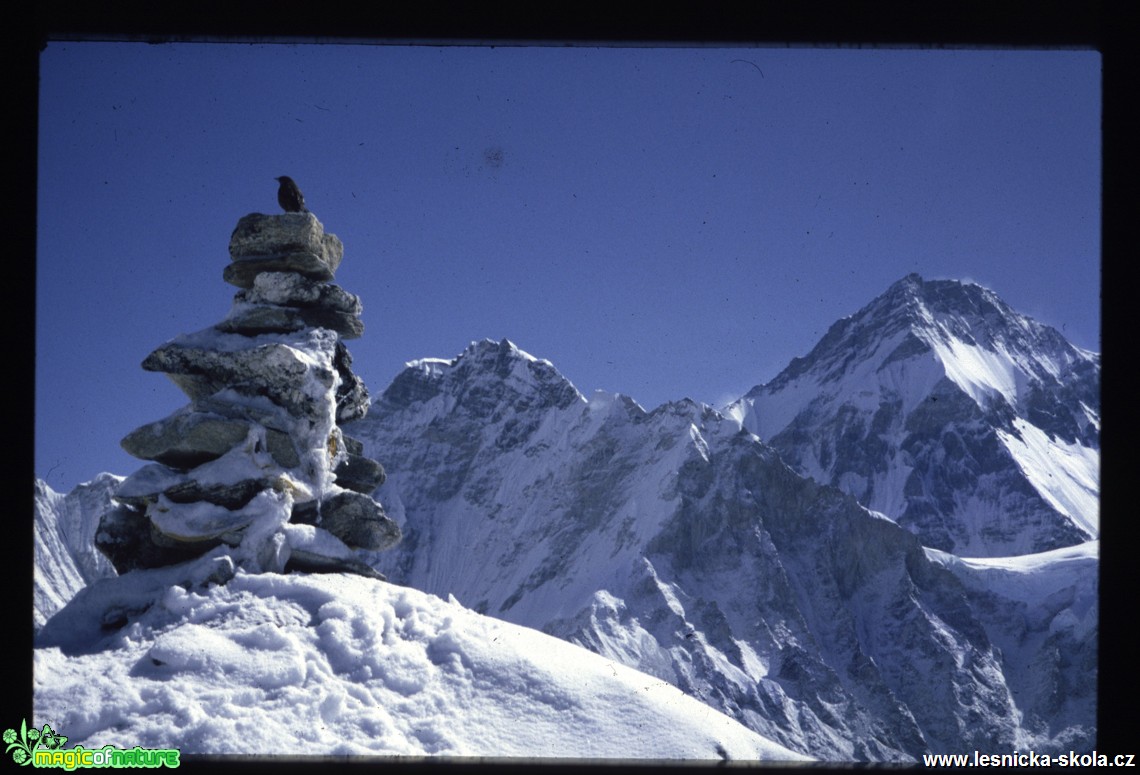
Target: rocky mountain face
<point>678,543</point>
<point>971,425</point>
<point>255,471</point>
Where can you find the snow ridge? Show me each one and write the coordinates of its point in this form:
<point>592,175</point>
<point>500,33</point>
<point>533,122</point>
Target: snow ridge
<point>349,666</point>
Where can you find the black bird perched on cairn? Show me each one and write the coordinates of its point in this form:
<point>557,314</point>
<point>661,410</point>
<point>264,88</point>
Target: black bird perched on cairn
<point>289,196</point>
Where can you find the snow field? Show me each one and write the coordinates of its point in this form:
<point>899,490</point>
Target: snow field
<point>330,664</point>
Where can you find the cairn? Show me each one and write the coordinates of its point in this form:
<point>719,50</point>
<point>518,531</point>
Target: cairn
<point>256,468</point>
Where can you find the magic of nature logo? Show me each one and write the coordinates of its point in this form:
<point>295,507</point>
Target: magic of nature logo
<point>44,748</point>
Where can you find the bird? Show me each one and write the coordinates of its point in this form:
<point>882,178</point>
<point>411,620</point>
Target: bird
<point>289,196</point>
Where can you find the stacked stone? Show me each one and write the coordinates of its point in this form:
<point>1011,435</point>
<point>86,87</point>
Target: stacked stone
<point>256,468</point>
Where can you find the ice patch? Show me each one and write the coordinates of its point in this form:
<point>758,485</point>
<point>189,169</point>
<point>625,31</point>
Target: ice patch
<point>1067,475</point>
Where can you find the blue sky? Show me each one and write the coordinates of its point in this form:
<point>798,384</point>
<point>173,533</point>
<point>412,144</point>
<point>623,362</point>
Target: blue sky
<point>660,222</point>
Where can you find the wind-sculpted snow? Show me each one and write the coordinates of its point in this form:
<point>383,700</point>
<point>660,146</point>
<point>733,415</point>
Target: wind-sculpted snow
<point>971,425</point>
<point>349,666</point>
<point>677,543</point>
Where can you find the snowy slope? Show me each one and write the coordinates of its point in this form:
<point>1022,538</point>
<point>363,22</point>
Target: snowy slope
<point>676,543</point>
<point>338,664</point>
<point>1036,607</point>
<point>939,406</point>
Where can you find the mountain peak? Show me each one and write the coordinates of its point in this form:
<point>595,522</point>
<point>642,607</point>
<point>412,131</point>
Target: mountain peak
<point>944,309</point>
<point>934,308</point>
<point>950,297</point>
<point>979,341</point>
<point>911,284</point>
<point>485,371</point>
<point>503,354</point>
<point>937,404</point>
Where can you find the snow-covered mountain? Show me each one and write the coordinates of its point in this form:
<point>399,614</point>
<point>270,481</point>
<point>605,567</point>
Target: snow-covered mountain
<point>952,607</point>
<point>65,556</point>
<point>938,405</point>
<point>678,543</point>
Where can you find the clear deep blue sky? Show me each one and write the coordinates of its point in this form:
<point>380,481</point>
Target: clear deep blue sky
<point>660,222</point>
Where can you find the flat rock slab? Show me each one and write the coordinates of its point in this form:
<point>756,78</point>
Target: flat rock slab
<point>354,446</point>
<point>243,271</point>
<point>190,439</point>
<point>293,242</point>
<point>144,487</point>
<point>203,521</point>
<point>289,289</point>
<point>259,235</point>
<point>285,373</point>
<point>311,562</point>
<point>186,440</point>
<point>127,538</point>
<point>257,319</point>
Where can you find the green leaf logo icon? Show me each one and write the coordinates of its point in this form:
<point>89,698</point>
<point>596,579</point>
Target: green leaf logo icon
<point>23,744</point>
